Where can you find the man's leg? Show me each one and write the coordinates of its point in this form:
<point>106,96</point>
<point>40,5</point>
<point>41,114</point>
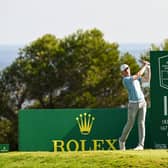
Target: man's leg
<point>132,112</point>
<point>141,123</point>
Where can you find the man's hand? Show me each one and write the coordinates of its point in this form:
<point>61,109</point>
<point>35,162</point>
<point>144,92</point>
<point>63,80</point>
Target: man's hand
<point>145,62</point>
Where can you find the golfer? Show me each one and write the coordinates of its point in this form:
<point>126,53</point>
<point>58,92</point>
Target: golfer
<point>136,106</point>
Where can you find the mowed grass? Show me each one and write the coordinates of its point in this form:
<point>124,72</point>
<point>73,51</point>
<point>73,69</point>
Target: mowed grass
<point>88,159</point>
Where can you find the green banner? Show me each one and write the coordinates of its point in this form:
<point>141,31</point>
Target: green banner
<point>73,130</point>
<point>159,98</point>
<point>4,147</point>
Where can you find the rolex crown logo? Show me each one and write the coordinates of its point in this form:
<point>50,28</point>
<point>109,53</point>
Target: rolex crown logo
<point>85,123</point>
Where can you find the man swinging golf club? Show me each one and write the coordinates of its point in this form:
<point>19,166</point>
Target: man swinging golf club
<point>136,106</point>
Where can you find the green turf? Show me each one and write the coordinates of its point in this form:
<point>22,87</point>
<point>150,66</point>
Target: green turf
<point>96,159</point>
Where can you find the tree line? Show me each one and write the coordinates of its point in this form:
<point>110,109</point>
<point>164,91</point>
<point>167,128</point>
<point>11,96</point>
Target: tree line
<point>78,71</point>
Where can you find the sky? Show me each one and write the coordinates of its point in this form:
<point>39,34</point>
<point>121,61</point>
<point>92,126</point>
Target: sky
<point>121,21</point>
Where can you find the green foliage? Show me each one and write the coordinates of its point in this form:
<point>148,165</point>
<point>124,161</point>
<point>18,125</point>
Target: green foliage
<point>154,47</point>
<point>5,129</point>
<point>8,116</point>
<point>165,44</point>
<point>40,74</point>
<point>90,65</point>
<point>81,70</point>
<point>162,46</point>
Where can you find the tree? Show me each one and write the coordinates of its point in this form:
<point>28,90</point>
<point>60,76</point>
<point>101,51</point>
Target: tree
<point>154,47</point>
<point>8,113</point>
<point>162,46</point>
<point>81,70</point>
<point>5,130</point>
<point>90,70</point>
<point>38,64</point>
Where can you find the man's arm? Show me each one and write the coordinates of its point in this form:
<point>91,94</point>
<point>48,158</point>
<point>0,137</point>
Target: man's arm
<point>147,75</point>
<point>141,71</point>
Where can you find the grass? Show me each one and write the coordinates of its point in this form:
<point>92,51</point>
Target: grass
<point>88,159</point>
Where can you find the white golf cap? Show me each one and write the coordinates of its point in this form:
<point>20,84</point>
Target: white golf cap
<point>123,67</point>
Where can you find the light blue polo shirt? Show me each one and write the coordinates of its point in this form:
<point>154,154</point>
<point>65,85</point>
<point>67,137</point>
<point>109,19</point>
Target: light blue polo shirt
<point>133,87</point>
